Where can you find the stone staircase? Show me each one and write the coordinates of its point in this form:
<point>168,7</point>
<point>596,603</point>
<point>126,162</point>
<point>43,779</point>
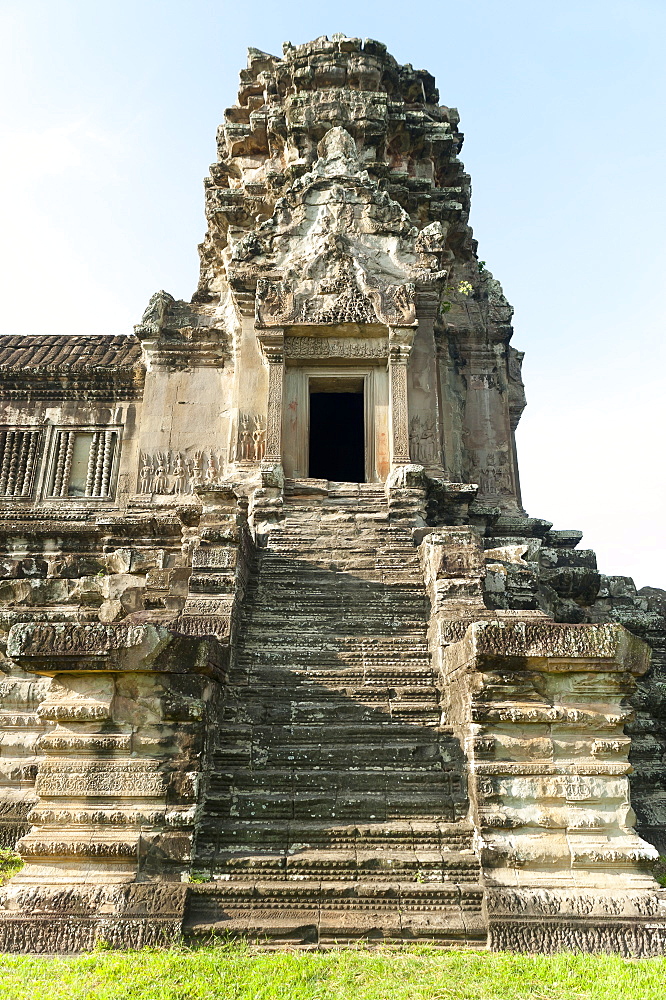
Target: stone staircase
<point>335,803</point>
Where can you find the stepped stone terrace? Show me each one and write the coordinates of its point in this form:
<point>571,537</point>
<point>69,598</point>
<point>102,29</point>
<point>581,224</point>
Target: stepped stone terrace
<point>283,655</point>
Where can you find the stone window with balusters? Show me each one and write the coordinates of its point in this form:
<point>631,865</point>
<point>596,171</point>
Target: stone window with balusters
<point>83,462</point>
<point>20,449</point>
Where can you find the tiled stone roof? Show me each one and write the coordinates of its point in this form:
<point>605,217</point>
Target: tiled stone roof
<point>73,354</point>
<point>56,367</point>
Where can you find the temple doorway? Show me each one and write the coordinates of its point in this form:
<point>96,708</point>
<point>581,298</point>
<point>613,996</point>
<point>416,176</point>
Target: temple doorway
<point>337,434</point>
<point>335,423</point>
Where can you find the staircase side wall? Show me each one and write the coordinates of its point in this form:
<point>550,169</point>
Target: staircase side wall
<point>541,709</point>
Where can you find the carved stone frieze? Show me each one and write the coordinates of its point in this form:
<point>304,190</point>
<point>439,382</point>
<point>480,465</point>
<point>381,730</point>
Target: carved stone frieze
<point>495,481</point>
<point>328,249</point>
<point>172,473</point>
<point>335,347</point>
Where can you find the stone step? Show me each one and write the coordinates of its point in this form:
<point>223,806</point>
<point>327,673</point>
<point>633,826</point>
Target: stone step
<point>302,656</point>
<point>314,578</point>
<point>296,681</point>
<point>328,780</point>
<point>367,575</point>
<point>350,541</point>
<point>366,570</point>
<point>259,712</point>
<point>338,693</point>
<point>289,680</point>
<point>369,537</point>
<point>405,615</point>
<point>331,688</point>
<point>449,805</point>
<point>334,532</point>
<point>333,584</point>
<point>315,555</point>
<point>372,645</point>
<point>352,736</point>
<point>289,835</point>
<point>364,493</point>
<point>335,803</point>
<point>311,914</point>
<point>355,607</point>
<point>293,550</point>
<point>342,526</point>
<point>326,756</point>
<point>336,501</point>
<point>243,754</point>
<point>288,621</point>
<point>353,865</point>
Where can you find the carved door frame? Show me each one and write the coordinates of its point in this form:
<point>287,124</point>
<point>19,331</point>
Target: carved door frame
<point>296,414</point>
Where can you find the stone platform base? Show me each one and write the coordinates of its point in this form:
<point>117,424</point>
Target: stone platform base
<point>72,919</point>
<point>545,921</point>
<point>329,914</point>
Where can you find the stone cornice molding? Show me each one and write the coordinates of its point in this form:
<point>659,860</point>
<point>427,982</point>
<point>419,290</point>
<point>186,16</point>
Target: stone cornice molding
<point>272,344</point>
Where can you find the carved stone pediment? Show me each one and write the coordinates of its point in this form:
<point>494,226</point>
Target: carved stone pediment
<point>340,297</point>
<point>337,249</point>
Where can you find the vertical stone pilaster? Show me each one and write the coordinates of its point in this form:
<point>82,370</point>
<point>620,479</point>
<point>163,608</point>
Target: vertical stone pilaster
<point>487,431</point>
<point>272,345</point>
<point>400,344</point>
<point>274,421</point>
<point>399,421</point>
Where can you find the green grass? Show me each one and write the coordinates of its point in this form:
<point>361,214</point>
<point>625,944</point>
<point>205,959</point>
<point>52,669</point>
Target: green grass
<point>10,864</point>
<point>235,972</point>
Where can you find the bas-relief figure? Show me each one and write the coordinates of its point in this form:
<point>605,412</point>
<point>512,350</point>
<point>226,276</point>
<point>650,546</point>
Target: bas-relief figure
<point>166,473</point>
<point>283,656</point>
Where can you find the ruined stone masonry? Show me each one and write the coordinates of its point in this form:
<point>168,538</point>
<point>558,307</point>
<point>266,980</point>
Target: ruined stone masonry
<point>283,656</point>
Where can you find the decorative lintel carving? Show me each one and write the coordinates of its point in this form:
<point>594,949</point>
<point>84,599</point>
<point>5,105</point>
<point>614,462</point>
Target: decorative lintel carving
<point>336,347</point>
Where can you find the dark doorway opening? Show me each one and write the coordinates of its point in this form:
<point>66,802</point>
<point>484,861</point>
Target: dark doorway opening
<point>337,437</point>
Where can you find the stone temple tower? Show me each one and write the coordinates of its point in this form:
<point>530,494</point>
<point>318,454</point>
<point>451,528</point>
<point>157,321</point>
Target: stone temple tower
<point>340,287</point>
<point>283,656</point>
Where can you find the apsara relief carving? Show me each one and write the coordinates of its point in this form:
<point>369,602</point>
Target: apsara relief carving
<point>174,473</point>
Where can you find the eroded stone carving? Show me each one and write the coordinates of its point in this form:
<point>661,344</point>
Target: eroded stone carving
<point>251,438</point>
<point>167,473</point>
<point>343,226</point>
<point>423,440</point>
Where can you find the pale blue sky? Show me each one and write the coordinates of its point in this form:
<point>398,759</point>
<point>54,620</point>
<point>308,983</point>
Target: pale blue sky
<point>107,127</point>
